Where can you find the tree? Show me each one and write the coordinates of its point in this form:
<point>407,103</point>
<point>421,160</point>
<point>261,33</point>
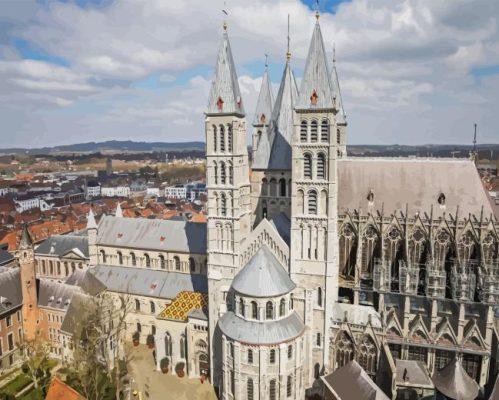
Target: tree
<point>35,354</point>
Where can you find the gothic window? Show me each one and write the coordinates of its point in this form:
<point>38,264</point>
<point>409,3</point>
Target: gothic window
<point>303,131</point>
<point>214,138</point>
<point>289,386</point>
<point>338,136</point>
<point>222,173</point>
<point>223,205</point>
<point>282,307</point>
<point>120,258</point>
<point>148,260</point>
<point>222,139</point>
<point>489,248</point>
<point>215,172</point>
<point>162,262</point>
<point>443,358</point>
<point>396,350</point>
<point>176,261</point>
<point>319,296</point>
<point>152,306</point>
<point>471,364</point>
<point>192,264</point>
<point>265,187</point>
<point>321,166</point>
<point>103,256</point>
<point>229,138</point>
<point>290,352</point>
<point>416,246</point>
<point>282,187</point>
<point>441,247</point>
<point>344,349</point>
<point>254,310</point>
<point>272,356</point>
<point>272,390</point>
<point>313,131</point>
<point>312,202</point>
<point>168,345</point>
<point>466,247</point>
<point>249,390</point>
<point>250,356</point>
<point>269,310</point>
<point>418,353</point>
<point>137,305</point>
<point>367,357</point>
<point>307,166</point>
<point>325,131</point>
<point>369,247</point>
<point>241,307</point>
<point>392,243</point>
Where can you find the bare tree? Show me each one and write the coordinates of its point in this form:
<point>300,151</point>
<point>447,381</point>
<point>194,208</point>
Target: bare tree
<point>35,354</point>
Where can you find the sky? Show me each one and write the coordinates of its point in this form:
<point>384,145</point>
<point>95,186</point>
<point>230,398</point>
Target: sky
<point>411,71</point>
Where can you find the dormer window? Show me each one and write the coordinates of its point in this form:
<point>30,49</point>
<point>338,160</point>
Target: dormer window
<point>59,300</point>
<point>441,199</point>
<point>370,196</point>
<point>51,299</point>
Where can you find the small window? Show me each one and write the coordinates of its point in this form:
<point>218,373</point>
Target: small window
<point>313,131</point>
<point>303,131</point>
<point>282,308</point>
<point>318,340</point>
<point>290,352</point>
<point>249,389</point>
<point>319,296</point>
<point>250,356</point>
<point>214,138</point>
<point>321,166</point>
<point>241,307</point>
<point>222,139</point>
<point>137,305</point>
<point>441,199</point>
<point>148,260</point>
<point>324,131</point>
<point>229,137</point>
<point>103,256</point>
<point>192,265</point>
<point>134,259</point>
<point>254,310</point>
<point>272,390</point>
<point>307,166</point>
<point>176,261</point>
<point>269,310</point>
<point>338,136</point>
<point>162,262</point>
<point>312,202</point>
<point>272,356</point>
<point>370,196</point>
<point>153,307</point>
<point>120,258</point>
<point>289,386</point>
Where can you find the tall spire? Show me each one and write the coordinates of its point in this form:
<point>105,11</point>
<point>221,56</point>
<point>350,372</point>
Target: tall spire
<point>26,241</point>
<point>119,212</point>
<point>225,96</point>
<point>91,224</point>
<point>341,116</point>
<point>316,90</point>
<point>265,100</point>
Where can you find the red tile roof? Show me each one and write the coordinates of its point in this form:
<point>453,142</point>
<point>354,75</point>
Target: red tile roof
<point>58,390</point>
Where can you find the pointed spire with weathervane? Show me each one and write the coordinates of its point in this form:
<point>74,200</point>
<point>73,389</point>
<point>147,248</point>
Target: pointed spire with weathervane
<point>341,116</point>
<point>225,96</point>
<point>26,241</point>
<point>265,100</point>
<point>316,90</point>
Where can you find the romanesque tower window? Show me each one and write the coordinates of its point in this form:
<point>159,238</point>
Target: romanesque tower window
<point>272,390</point>
<point>192,264</point>
<point>162,262</point>
<point>269,310</point>
<point>303,132</point>
<point>222,139</point>
<point>289,386</point>
<point>241,307</point>
<point>176,261</point>
<point>250,356</point>
<point>152,306</point>
<point>313,131</point>
<point>321,166</point>
<point>254,310</point>
<point>312,202</point>
<point>325,131</point>
<point>290,352</point>
<point>214,138</point>
<point>282,187</point>
<point>120,258</point>
<point>273,187</point>
<point>282,308</point>
<point>249,389</point>
<point>134,259</point>
<point>148,260</point>
<point>223,205</point>
<point>215,172</point>
<point>182,346</point>
<point>102,257</point>
<point>307,166</point>
<point>265,187</point>
<point>229,138</point>
<point>137,305</point>
<point>168,345</point>
<point>222,173</point>
<point>231,174</point>
<point>338,136</point>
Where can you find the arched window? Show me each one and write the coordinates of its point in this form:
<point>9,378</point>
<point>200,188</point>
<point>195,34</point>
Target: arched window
<point>215,172</point>
<point>182,347</point>
<point>254,310</point>
<point>223,205</point>
<point>272,356</point>
<point>272,390</point>
<point>269,310</point>
<point>318,341</point>
<point>153,307</point>
<point>222,139</point>
<point>162,262</point>
<point>273,187</point>
<point>289,386</point>
<point>103,257</point>
<point>66,269</point>
<point>241,307</point>
<point>312,202</point>
<point>231,174</point>
<point>176,261</point>
<point>223,177</point>
<point>282,187</point>
<point>168,344</point>
<point>44,268</point>
<point>338,136</point>
<point>137,305</point>
<point>367,357</point>
<point>313,131</point>
<point>250,356</point>
<point>51,267</point>
<point>324,131</point>
<point>134,259</point>
<point>259,138</point>
<point>265,187</point>
<point>319,296</point>
<point>148,260</point>
<point>249,389</point>
<point>321,166</point>
<point>59,268</point>
<point>303,131</point>
<point>120,258</point>
<point>290,352</point>
<point>282,308</point>
<point>264,209</point>
<point>229,138</point>
<point>307,166</point>
<point>192,264</point>
<point>214,138</point>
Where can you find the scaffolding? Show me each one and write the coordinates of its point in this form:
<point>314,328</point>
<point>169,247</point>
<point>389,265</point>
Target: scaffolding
<point>408,278</point>
<point>382,276</point>
<point>435,281</point>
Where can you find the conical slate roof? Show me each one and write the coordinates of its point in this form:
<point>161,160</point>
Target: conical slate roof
<point>225,96</point>
<point>26,241</point>
<point>91,224</point>
<point>316,90</point>
<point>453,382</point>
<point>341,116</point>
<point>263,276</point>
<point>263,111</point>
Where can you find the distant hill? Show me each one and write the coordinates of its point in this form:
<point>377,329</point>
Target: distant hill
<point>111,146</point>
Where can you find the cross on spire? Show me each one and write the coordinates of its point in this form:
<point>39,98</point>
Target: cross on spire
<point>224,11</point>
<point>317,13</point>
<point>266,60</point>
<point>288,54</point>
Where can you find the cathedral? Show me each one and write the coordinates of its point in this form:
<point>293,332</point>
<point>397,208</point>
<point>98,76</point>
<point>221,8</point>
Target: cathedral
<point>316,258</point>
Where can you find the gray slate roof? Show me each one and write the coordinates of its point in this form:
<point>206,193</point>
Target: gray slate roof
<point>261,332</point>
<point>86,281</point>
<point>263,111</point>
<point>11,295</point>
<point>316,76</point>
<point>352,382</point>
<point>454,382</point>
<point>263,276</point>
<point>5,257</point>
<point>147,282</point>
<point>225,84</point>
<point>147,234</point>
<point>55,295</point>
<point>81,305</point>
<point>416,182</point>
<point>60,245</point>
<point>417,374</point>
<point>282,225</point>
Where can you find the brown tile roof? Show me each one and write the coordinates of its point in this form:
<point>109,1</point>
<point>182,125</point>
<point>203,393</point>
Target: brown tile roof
<point>58,390</point>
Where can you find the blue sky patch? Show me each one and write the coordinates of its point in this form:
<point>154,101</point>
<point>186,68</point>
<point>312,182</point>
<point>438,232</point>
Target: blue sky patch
<point>30,52</point>
<point>485,70</point>
<point>325,5</point>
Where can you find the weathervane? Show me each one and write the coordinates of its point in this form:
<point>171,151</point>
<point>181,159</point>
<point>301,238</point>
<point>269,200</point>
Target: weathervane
<point>224,10</point>
<point>266,60</point>
<point>317,14</point>
<point>288,54</point>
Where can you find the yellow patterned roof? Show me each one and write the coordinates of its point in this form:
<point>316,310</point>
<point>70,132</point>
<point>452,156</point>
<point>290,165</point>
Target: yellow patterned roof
<point>183,304</point>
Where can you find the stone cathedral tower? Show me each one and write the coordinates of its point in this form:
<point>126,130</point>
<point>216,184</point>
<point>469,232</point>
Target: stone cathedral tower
<point>228,186</point>
<point>314,259</point>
